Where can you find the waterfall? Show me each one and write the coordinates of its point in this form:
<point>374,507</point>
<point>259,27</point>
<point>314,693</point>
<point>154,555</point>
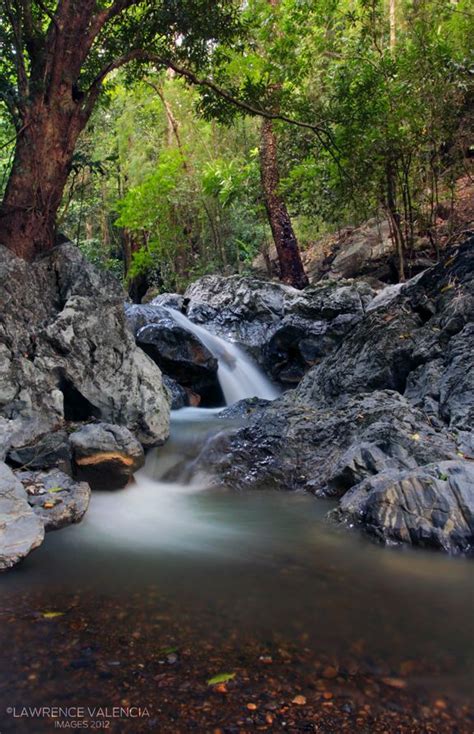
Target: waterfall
<point>238,375</point>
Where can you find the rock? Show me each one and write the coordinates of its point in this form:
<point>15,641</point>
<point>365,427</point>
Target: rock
<point>50,450</point>
<point>139,315</point>
<point>178,352</point>
<point>170,300</point>
<point>105,455</point>
<point>18,432</point>
<point>287,331</point>
<point>21,530</point>
<point>366,249</point>
<point>420,343</point>
<point>55,497</point>
<point>431,506</point>
<point>379,417</point>
<point>326,451</point>
<point>179,398</point>
<point>66,350</point>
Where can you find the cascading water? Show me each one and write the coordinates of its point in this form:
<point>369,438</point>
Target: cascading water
<point>239,376</point>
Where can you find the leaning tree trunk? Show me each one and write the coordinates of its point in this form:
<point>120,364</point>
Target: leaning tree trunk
<point>289,257</point>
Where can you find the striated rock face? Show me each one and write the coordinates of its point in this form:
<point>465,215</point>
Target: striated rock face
<point>105,456</point>
<point>21,530</point>
<point>66,350</point>
<point>378,418</point>
<point>431,505</point>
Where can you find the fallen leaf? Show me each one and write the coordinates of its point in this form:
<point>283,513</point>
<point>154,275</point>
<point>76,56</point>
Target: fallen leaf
<point>252,706</point>
<point>394,682</point>
<point>299,700</point>
<point>330,672</point>
<point>51,615</point>
<point>221,678</point>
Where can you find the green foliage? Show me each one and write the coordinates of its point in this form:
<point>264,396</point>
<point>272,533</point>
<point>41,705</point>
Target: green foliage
<point>173,200</point>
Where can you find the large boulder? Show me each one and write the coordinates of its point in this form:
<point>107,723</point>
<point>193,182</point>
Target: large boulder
<point>431,506</point>
<point>378,416</point>
<point>180,354</point>
<point>66,351</point>
<point>106,456</point>
<point>419,342</point>
<point>326,451</point>
<point>21,530</point>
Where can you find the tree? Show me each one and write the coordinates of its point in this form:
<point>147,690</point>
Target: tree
<point>56,57</point>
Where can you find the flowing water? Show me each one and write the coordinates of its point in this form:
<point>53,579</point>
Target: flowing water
<point>238,375</point>
<point>225,566</point>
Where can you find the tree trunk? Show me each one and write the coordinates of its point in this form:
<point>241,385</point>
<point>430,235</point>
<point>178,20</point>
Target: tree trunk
<point>291,266</point>
<point>43,156</point>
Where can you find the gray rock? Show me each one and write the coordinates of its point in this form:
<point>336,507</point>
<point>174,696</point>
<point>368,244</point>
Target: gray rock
<point>286,330</point>
<point>21,530</point>
<point>431,506</point>
<point>55,498</point>
<point>48,451</point>
<point>66,350</point>
<point>179,353</point>
<point>420,343</point>
<point>105,455</point>
<point>177,394</point>
<point>288,445</point>
<point>20,431</point>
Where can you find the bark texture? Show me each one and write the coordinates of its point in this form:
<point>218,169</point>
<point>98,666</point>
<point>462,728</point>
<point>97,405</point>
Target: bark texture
<point>291,266</point>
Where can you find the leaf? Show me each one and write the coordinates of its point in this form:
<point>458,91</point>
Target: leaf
<point>299,700</point>
<point>167,650</point>
<point>51,615</point>
<point>49,505</point>
<point>53,490</point>
<point>221,678</point>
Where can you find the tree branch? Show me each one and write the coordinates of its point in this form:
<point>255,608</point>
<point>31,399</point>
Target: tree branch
<point>18,42</point>
<point>100,19</point>
<point>142,55</point>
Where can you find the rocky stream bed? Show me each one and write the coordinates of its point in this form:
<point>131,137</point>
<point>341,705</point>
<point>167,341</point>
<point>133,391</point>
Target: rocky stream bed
<point>305,426</point>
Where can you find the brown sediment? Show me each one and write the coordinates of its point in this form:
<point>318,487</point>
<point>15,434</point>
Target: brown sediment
<point>140,652</point>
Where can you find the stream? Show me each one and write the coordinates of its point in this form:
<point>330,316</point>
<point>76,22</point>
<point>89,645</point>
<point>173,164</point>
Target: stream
<point>227,579</point>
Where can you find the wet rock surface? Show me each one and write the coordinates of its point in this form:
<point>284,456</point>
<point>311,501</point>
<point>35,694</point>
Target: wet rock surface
<point>432,505</point>
<point>180,354</point>
<point>287,331</point>
<point>33,502</point>
<point>66,351</point>
<point>105,455</point>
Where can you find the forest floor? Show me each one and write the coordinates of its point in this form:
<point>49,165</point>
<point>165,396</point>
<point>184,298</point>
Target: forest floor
<point>102,653</point>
